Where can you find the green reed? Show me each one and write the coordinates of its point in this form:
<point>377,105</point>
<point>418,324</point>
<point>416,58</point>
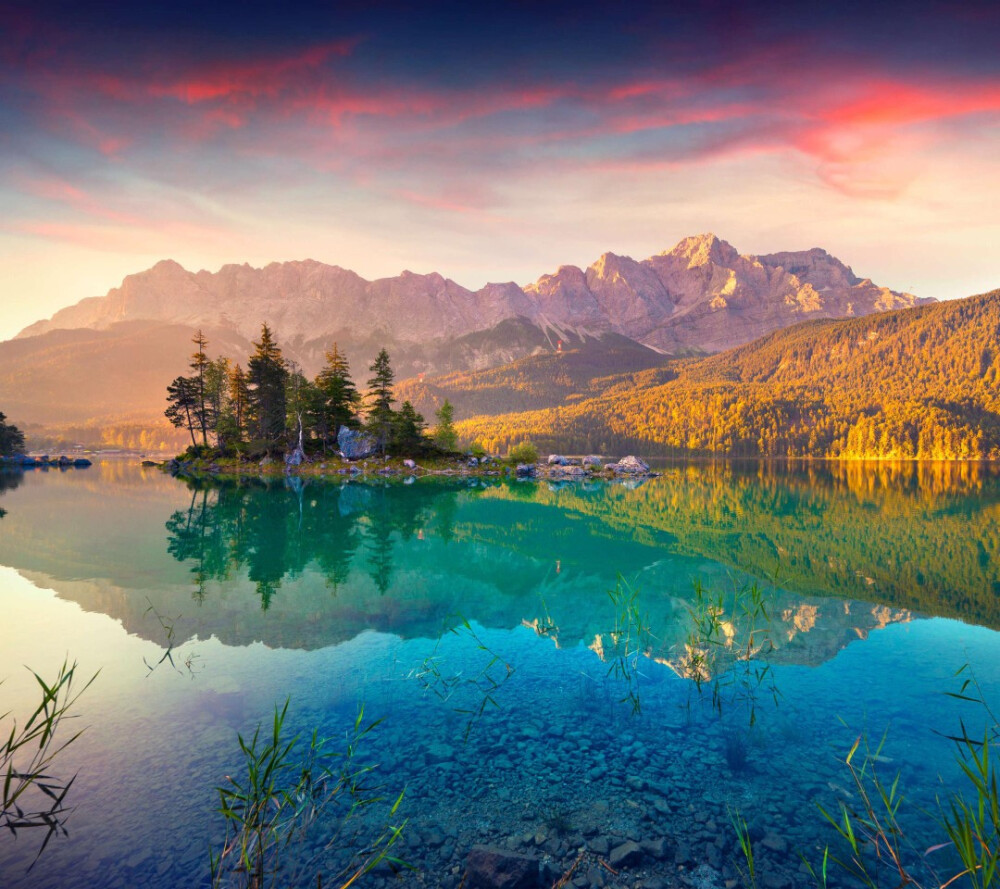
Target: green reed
<point>872,847</point>
<point>288,791</point>
<point>729,646</point>
<point>481,686</point>
<point>630,640</point>
<point>749,872</point>
<point>32,797</point>
<point>871,833</point>
<point>167,626</point>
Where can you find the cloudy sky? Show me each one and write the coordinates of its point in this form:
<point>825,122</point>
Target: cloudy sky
<point>492,141</point>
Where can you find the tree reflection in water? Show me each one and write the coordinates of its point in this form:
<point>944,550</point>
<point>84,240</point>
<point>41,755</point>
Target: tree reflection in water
<point>9,480</point>
<point>275,529</point>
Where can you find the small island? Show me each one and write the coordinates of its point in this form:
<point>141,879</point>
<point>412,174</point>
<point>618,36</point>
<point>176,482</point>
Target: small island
<point>271,419</point>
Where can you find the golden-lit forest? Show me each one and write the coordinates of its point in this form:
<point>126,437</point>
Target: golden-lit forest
<point>920,383</point>
<point>546,379</point>
<point>134,434</point>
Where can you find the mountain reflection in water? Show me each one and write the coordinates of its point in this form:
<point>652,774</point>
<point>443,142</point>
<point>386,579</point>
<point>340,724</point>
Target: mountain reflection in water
<point>522,571</point>
<point>409,558</point>
<point>299,563</point>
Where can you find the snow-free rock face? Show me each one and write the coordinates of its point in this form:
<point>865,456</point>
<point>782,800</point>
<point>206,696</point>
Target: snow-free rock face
<point>702,295</point>
<point>297,299</point>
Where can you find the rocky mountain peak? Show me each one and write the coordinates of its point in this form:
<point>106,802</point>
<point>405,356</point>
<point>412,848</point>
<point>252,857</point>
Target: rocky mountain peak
<point>166,266</point>
<point>699,295</point>
<point>814,266</point>
<point>609,265</point>
<point>705,249</point>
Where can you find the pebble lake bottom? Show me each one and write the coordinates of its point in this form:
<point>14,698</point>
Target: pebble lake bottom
<point>530,698</point>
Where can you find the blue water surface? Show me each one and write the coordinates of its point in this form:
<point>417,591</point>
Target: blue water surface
<point>547,676</point>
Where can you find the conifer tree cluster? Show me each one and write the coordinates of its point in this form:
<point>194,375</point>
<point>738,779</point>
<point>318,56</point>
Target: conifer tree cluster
<point>11,438</point>
<point>271,404</point>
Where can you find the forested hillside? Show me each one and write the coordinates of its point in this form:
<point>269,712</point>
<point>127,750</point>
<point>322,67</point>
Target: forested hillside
<point>919,383</point>
<point>575,368</point>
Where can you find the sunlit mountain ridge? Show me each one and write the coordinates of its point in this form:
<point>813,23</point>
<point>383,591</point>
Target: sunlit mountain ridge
<point>100,367</point>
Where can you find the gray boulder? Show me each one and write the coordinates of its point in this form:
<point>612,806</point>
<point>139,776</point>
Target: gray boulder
<point>631,464</point>
<point>525,469</point>
<point>356,445</point>
<point>558,460</point>
<point>592,461</point>
<point>409,464</point>
<point>489,867</point>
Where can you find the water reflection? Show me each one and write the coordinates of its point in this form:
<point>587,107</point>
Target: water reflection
<point>553,715</point>
<point>276,529</point>
<point>9,480</point>
<point>304,564</point>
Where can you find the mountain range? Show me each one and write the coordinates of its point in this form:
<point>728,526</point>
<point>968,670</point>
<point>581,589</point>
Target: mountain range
<point>701,296</point>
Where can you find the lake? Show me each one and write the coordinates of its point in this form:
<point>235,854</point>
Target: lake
<point>604,676</point>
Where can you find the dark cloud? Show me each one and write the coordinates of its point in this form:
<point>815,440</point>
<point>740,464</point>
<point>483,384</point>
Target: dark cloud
<point>472,43</point>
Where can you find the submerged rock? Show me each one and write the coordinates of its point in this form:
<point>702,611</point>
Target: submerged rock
<point>628,854</point>
<point>356,445</point>
<point>489,867</point>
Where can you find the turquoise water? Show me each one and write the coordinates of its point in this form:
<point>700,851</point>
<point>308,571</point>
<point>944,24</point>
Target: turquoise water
<point>522,704</point>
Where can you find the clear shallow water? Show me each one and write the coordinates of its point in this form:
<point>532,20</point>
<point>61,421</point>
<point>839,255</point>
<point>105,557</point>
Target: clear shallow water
<point>362,584</point>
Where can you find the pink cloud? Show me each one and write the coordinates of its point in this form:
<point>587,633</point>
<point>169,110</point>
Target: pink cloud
<point>117,238</point>
<point>889,102</point>
<point>66,195</point>
<point>846,115</point>
<point>254,78</point>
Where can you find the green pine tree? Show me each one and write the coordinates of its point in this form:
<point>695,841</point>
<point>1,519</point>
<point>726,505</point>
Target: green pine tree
<point>11,438</point>
<point>380,394</point>
<point>266,376</point>
<point>408,430</point>
<point>445,436</point>
<point>217,408</point>
<point>338,397</point>
<point>182,401</point>
<point>201,411</point>
<point>239,400</point>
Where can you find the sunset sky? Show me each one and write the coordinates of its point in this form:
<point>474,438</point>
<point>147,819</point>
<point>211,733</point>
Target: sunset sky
<point>492,141</point>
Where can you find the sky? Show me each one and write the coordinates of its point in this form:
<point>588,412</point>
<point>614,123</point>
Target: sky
<point>492,141</point>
